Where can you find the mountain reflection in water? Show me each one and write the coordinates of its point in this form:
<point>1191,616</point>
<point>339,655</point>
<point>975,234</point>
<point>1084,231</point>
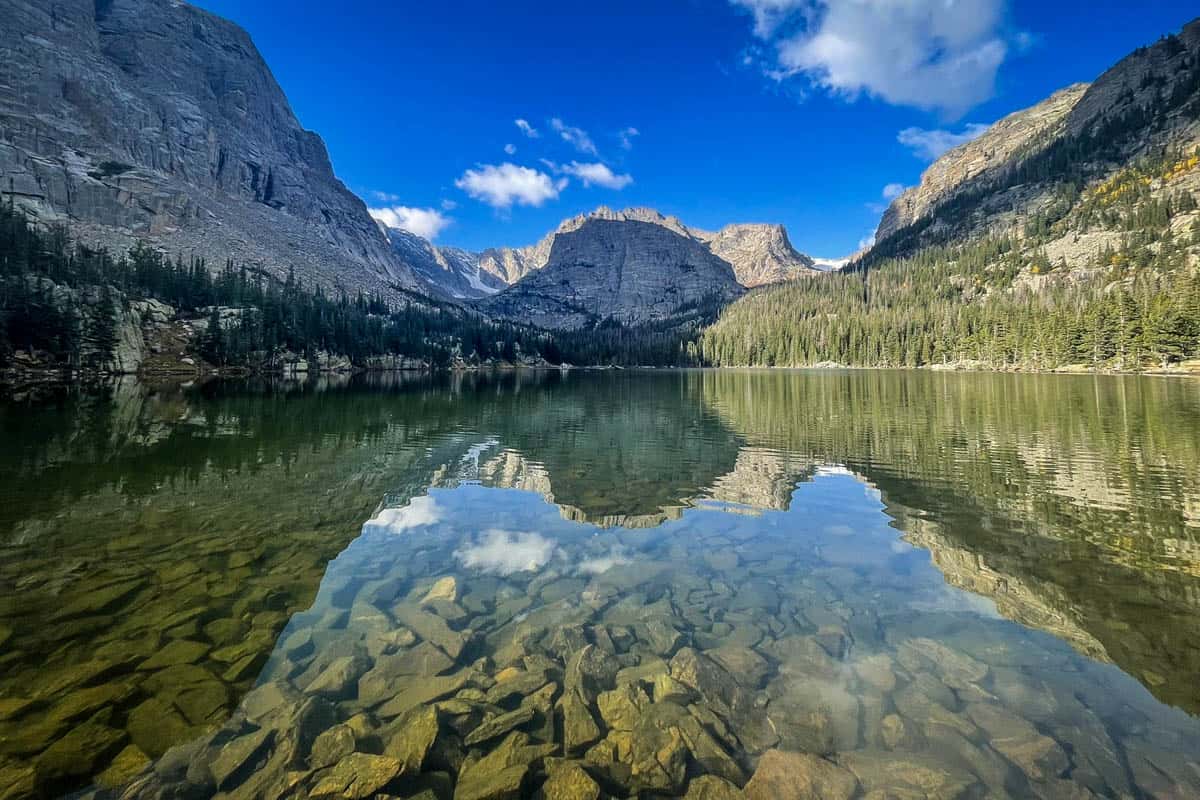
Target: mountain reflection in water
<point>943,585</point>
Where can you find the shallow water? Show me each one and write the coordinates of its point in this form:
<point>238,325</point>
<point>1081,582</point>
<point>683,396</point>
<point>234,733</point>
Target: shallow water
<point>930,585</point>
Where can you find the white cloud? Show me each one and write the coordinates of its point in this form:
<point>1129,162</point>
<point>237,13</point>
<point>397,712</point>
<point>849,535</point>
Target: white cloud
<point>768,14</point>
<point>930,145</point>
<point>420,512</point>
<point>889,193</point>
<point>384,197</point>
<point>500,186</point>
<point>601,564</point>
<point>510,149</point>
<point>424,222</point>
<point>593,174</point>
<point>867,241</point>
<point>932,54</point>
<point>449,205</point>
<point>626,136</point>
<point>526,128</point>
<point>505,552</point>
<point>576,137</point>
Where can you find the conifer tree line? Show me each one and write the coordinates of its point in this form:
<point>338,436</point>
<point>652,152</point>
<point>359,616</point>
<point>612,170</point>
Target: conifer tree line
<point>956,305</point>
<point>936,293</point>
<point>63,299</point>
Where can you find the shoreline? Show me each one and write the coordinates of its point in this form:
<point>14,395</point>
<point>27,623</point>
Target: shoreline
<point>12,381</point>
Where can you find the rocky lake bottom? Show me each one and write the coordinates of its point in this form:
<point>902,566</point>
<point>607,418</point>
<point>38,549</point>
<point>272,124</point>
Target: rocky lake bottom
<point>700,585</point>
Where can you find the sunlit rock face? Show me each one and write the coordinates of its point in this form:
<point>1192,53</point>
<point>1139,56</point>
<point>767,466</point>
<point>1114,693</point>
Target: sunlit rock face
<point>138,120</point>
<point>974,175</point>
<point>630,272</point>
<point>759,253</point>
<point>995,150</point>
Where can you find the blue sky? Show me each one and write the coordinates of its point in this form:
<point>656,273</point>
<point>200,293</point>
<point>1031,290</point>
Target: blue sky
<point>749,111</point>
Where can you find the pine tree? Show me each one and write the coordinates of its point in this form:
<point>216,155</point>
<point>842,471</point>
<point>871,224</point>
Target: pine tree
<point>212,346</point>
<point>102,330</point>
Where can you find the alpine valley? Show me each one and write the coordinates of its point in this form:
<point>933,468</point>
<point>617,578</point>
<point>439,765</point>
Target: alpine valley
<point>164,211</point>
<point>629,495</point>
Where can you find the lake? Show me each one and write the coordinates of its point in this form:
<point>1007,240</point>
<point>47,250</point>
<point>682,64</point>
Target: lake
<point>711,584</point>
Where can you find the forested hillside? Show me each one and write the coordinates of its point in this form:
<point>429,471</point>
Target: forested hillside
<point>62,304</point>
<point>1082,251</point>
<point>66,306</point>
<point>965,306</point>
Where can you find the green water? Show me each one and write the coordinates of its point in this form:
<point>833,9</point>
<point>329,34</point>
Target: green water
<point>621,584</point>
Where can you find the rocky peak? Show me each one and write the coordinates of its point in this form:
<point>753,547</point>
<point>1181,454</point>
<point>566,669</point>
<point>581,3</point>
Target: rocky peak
<point>137,119</point>
<point>1139,79</point>
<point>760,253</point>
<point>629,271</point>
<point>1014,136</point>
<point>1146,101</point>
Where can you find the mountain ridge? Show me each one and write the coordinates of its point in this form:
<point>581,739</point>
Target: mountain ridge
<point>1145,103</point>
<point>760,253</point>
<point>627,271</point>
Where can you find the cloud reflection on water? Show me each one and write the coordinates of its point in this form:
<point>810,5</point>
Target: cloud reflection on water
<point>504,552</point>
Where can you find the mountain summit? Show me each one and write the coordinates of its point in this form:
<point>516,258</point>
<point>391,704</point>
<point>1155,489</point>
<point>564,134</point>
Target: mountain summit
<point>628,271</point>
<point>759,253</point>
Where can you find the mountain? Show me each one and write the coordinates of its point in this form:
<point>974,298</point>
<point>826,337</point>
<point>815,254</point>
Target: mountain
<point>1066,237</point>
<point>143,120</point>
<point>759,253</point>
<point>511,264</point>
<point>448,271</point>
<point>629,271</point>
<point>980,158</point>
<point>1141,108</point>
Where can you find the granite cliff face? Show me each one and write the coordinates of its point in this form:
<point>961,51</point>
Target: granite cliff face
<point>759,253</point>
<point>511,264</point>
<point>995,150</point>
<point>1148,101</point>
<point>632,272</point>
<point>133,119</point>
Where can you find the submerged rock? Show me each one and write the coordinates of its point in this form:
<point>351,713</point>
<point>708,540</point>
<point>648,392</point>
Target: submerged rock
<point>239,755</point>
<point>415,733</point>
<point>418,692</point>
<point>124,767</point>
<point>331,746</point>
<point>502,773</point>
<point>445,589</point>
<point>569,782</point>
<point>591,670</point>
<point>499,725</point>
<point>357,776</point>
<point>799,776</point>
<point>391,673</point>
<point>580,730</point>
<point>79,752</point>
<point>431,627</point>
<point>710,787</point>
<point>339,680</point>
<point>622,707</point>
<point>894,774</point>
<point>1038,756</point>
